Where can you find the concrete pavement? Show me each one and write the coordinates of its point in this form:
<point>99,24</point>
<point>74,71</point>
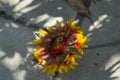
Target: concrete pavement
<point>101,60</point>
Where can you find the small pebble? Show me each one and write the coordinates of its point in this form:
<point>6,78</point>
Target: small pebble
<point>98,54</point>
<point>96,64</point>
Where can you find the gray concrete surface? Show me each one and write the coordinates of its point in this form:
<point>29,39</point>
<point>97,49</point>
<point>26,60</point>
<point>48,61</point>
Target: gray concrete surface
<point>101,60</point>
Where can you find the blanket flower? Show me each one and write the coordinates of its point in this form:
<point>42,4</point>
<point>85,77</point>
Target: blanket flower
<point>58,47</point>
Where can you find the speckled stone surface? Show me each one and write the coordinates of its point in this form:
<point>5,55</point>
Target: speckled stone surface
<point>101,60</point>
<point>42,12</point>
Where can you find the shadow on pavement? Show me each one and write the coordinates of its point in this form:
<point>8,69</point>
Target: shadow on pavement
<point>15,40</point>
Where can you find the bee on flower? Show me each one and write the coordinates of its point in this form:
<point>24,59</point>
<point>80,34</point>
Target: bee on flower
<point>57,48</point>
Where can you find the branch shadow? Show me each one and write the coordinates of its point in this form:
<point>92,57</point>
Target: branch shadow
<point>15,39</point>
<point>103,43</point>
<point>41,12</point>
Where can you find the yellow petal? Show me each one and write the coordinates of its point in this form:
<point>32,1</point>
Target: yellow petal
<point>75,63</point>
<point>52,69</point>
<point>83,40</point>
<point>44,69</point>
<point>80,41</point>
<point>60,69</point>
<point>66,58</point>
<point>71,23</point>
<point>36,41</point>
<point>35,54</point>
<point>50,29</point>
<point>48,72</point>
<point>38,46</point>
<point>58,24</point>
<point>84,46</point>
<point>42,32</point>
<point>65,68</point>
<point>40,61</point>
<point>76,55</point>
<point>55,67</point>
<point>80,51</point>
<point>72,59</point>
<point>48,69</point>
<point>78,35</point>
<point>72,67</point>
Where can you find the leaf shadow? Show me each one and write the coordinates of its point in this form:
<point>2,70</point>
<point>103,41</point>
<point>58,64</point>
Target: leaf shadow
<point>15,39</point>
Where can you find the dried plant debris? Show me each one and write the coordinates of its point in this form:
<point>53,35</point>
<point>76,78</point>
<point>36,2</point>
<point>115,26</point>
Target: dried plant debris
<point>81,7</point>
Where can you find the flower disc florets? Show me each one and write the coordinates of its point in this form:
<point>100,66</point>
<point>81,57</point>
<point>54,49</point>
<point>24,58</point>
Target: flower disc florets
<point>59,47</point>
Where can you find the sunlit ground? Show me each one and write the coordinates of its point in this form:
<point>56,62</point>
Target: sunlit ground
<point>101,60</point>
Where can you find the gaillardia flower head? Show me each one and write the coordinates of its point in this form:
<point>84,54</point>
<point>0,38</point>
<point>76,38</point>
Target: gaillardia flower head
<point>59,47</point>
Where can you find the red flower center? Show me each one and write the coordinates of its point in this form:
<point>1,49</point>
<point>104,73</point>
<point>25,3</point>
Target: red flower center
<point>58,46</point>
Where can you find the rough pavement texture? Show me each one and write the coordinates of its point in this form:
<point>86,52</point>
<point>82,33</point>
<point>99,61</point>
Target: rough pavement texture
<point>101,60</point>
